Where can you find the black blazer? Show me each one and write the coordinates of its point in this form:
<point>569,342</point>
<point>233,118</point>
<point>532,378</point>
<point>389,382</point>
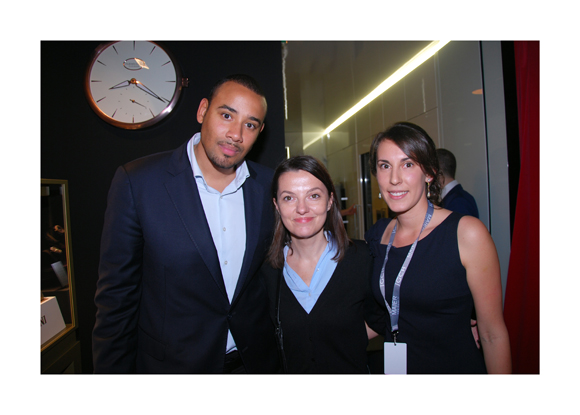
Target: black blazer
<point>332,338</point>
<point>460,201</point>
<point>162,303</point>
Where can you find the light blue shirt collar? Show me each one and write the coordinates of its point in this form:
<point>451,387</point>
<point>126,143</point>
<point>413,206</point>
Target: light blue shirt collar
<point>448,188</point>
<point>306,295</point>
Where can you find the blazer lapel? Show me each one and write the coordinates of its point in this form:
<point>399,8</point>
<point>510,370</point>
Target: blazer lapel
<point>253,204</point>
<point>183,192</point>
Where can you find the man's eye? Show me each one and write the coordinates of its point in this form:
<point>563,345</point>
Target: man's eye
<point>226,116</point>
<point>250,126</point>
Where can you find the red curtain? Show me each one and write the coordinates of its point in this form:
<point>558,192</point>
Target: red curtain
<point>522,299</point>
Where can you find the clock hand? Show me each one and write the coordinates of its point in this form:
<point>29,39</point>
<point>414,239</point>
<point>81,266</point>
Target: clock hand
<point>135,102</point>
<point>121,85</point>
<point>142,87</point>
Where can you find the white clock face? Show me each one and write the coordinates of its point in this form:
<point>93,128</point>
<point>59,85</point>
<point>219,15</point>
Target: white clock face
<point>132,84</point>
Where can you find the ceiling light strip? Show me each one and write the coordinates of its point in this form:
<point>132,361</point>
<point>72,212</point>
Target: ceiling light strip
<point>403,71</point>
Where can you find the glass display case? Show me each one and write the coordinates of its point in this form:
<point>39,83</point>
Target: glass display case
<point>60,350</point>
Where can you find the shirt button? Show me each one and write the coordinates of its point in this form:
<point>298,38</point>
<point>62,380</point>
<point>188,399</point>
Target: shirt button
<point>224,228</point>
<point>225,262</point>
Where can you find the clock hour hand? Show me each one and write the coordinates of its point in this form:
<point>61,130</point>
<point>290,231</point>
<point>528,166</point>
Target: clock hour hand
<point>142,87</point>
<point>121,85</point>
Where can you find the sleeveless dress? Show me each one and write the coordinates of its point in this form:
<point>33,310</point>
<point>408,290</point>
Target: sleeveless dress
<point>435,300</point>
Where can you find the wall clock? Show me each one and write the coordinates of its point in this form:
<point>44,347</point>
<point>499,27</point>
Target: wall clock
<point>133,84</point>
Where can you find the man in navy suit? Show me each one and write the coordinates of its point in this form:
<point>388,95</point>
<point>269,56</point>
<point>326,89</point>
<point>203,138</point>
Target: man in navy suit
<point>453,196</point>
<point>185,232</point>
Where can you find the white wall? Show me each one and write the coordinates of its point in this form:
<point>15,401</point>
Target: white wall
<point>439,97</point>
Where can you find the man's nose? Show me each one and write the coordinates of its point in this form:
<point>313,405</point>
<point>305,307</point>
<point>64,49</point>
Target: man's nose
<point>235,132</point>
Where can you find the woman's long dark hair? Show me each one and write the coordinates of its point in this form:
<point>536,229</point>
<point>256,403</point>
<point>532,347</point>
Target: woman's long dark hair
<point>333,222</point>
<point>418,146</point>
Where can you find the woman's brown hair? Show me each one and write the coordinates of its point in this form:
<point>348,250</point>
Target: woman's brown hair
<point>333,222</point>
<point>418,146</point>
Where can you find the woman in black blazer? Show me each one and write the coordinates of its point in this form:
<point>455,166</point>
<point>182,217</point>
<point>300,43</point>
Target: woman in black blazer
<point>318,280</point>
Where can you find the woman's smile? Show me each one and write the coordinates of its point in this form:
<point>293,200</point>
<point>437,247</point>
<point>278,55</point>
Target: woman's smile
<point>304,220</point>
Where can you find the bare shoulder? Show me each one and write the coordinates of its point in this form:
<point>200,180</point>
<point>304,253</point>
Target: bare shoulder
<point>439,215</point>
<point>475,242</point>
<point>471,229</point>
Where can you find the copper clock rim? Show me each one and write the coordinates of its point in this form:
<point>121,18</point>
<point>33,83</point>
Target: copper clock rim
<point>133,126</point>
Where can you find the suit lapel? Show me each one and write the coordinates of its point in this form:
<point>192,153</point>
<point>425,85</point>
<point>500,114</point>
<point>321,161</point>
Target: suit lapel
<point>183,192</point>
<point>253,204</point>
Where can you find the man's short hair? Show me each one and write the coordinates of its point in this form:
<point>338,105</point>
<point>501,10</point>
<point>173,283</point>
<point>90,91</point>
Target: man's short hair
<point>244,80</point>
<point>447,162</point>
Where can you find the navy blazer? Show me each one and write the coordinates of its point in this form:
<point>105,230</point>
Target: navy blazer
<point>162,303</point>
<point>459,200</point>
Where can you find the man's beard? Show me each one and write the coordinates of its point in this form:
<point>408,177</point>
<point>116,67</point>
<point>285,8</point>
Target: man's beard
<point>223,161</point>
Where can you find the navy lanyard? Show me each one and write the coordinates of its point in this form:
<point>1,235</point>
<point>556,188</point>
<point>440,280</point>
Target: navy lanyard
<point>394,311</point>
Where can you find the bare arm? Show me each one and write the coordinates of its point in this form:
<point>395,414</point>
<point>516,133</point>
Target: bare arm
<point>479,257</point>
<point>350,211</point>
<point>370,332</point>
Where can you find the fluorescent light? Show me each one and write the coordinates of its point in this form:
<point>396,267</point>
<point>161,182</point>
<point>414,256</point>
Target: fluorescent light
<point>399,74</point>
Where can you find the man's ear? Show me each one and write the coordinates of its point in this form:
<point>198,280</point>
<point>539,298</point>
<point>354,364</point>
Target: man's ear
<point>202,110</point>
<point>262,127</point>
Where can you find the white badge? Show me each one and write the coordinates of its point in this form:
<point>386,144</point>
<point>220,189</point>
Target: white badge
<point>395,358</point>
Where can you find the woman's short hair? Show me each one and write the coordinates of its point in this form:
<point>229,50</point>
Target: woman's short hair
<point>418,146</point>
<point>333,222</point>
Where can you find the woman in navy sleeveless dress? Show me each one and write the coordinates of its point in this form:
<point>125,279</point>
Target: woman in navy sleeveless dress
<point>453,265</point>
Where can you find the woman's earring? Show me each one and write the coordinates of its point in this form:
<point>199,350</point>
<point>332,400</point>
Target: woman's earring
<point>380,196</point>
<point>428,191</point>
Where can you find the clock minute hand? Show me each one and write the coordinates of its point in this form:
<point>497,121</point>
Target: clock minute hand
<point>142,87</point>
<point>121,85</point>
